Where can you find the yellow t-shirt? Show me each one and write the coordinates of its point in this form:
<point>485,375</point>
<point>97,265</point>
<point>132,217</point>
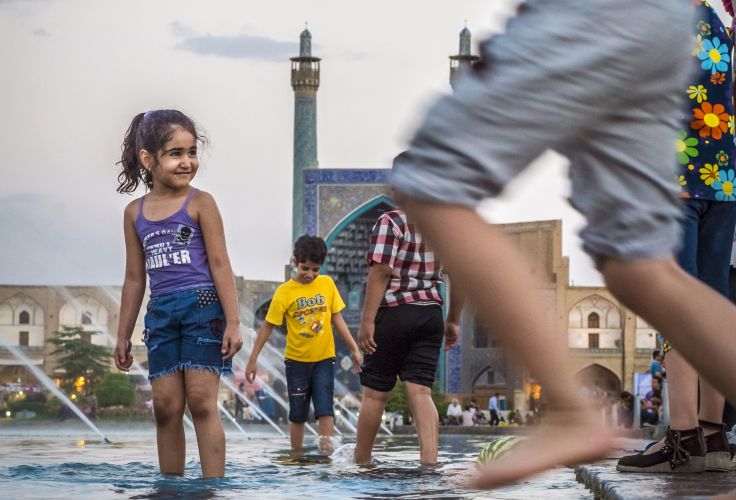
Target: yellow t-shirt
<point>308,310</point>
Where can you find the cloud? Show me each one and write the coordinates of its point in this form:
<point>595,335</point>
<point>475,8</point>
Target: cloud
<point>56,240</point>
<point>19,2</point>
<point>233,46</point>
<point>40,32</point>
<point>354,55</point>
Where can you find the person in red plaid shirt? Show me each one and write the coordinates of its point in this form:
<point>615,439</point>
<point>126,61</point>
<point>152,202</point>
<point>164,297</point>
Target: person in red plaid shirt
<point>401,331</point>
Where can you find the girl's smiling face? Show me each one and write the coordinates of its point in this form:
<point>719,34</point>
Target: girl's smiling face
<point>176,163</point>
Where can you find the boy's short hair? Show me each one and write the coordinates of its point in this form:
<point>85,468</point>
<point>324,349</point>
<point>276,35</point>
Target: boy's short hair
<point>310,248</point>
<point>655,354</point>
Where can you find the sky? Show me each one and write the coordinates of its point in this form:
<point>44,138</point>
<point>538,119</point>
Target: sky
<point>75,72</point>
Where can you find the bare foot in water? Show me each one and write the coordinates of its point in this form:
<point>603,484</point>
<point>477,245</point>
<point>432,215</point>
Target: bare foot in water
<point>567,438</point>
<point>326,445</point>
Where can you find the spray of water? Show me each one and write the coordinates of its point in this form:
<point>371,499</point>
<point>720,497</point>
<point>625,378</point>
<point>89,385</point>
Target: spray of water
<point>260,412</point>
<point>232,419</point>
<point>239,364</point>
<point>52,387</point>
<point>271,351</point>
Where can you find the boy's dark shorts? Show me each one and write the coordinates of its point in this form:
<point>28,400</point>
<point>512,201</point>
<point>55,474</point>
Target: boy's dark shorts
<point>307,381</point>
<point>408,341</point>
<point>183,331</point>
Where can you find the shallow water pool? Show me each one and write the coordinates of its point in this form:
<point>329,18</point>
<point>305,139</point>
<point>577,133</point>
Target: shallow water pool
<point>68,461</point>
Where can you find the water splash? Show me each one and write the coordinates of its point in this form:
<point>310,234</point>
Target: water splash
<point>344,455</point>
<point>327,444</point>
<point>52,387</point>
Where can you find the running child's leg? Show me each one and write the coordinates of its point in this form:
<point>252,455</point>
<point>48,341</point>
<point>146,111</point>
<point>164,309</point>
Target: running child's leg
<point>498,283</point>
<point>427,421</point>
<point>681,307</point>
<point>201,390</point>
<point>168,409</point>
<point>372,406</point>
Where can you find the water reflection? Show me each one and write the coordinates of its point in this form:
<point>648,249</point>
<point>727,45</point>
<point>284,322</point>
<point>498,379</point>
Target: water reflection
<point>260,468</point>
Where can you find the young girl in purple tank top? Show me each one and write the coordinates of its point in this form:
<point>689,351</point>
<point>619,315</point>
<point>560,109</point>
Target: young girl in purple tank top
<point>175,235</point>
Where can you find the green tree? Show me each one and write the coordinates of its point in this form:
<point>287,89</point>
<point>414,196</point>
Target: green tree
<point>80,357</point>
<point>400,404</point>
<point>397,402</point>
<point>115,389</point>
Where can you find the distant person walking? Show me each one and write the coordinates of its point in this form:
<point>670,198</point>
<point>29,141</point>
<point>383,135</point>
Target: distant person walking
<point>493,409</point>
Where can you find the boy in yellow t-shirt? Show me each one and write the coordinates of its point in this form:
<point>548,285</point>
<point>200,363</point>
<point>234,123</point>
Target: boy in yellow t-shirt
<point>311,303</point>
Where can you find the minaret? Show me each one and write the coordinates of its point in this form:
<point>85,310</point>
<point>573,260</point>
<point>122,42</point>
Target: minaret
<point>305,82</point>
<point>464,59</point>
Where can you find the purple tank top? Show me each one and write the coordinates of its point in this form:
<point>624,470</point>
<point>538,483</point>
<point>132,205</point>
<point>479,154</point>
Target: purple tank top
<point>176,258</point>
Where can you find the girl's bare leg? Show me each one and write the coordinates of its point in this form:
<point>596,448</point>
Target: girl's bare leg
<point>201,390</point>
<point>168,409</point>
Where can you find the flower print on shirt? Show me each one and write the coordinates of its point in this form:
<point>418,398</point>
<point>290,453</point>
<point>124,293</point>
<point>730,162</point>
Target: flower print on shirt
<point>709,173</point>
<point>686,147</point>
<point>705,144</point>
<point>704,29</point>
<point>698,93</point>
<point>717,78</point>
<point>714,56</point>
<point>722,159</point>
<point>724,185</point>
<point>710,120</point>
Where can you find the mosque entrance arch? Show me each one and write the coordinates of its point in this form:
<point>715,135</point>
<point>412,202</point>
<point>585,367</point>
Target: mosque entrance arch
<point>347,245</point>
<point>599,380</point>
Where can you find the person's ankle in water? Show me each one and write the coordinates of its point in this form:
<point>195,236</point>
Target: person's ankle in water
<point>326,445</point>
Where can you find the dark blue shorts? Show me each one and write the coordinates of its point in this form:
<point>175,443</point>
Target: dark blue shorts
<point>183,331</point>
<point>310,381</point>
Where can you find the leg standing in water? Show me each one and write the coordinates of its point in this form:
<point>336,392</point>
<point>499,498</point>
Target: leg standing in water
<point>169,401</point>
<point>401,331</point>
<point>191,321</point>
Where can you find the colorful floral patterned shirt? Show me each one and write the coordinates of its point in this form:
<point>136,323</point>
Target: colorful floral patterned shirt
<point>705,145</point>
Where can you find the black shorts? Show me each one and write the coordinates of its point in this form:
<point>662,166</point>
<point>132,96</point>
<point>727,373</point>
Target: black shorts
<point>408,341</point>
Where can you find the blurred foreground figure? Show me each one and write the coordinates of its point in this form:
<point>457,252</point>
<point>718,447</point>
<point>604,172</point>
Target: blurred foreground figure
<point>600,82</point>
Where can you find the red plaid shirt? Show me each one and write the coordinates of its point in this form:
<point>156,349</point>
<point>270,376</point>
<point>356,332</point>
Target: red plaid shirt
<point>415,273</point>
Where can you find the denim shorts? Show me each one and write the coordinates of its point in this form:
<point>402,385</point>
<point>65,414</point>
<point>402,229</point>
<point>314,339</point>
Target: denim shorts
<point>183,331</point>
<point>307,381</point>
